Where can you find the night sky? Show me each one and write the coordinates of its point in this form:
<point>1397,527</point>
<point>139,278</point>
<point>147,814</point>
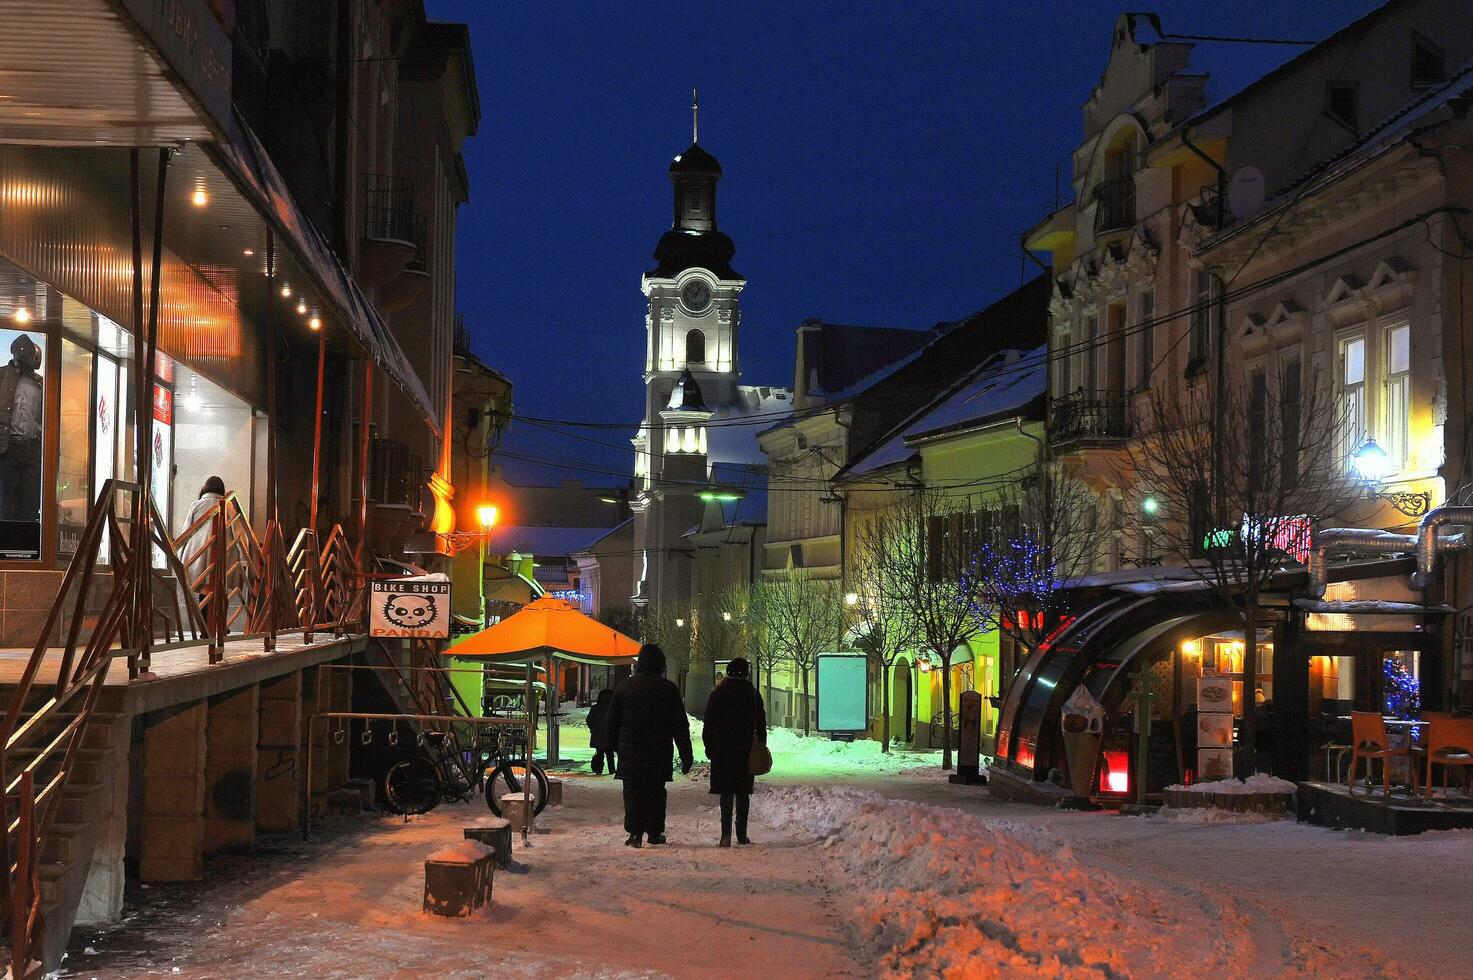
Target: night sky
<point>881,161</point>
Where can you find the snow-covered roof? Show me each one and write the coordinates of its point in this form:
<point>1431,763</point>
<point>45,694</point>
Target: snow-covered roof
<point>1008,382</point>
<point>732,432</point>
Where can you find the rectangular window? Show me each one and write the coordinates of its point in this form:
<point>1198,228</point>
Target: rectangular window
<point>1397,403</point>
<point>1257,421</point>
<point>1342,104</point>
<point>22,405</point>
<point>1428,65</point>
<point>1203,310</point>
<point>1352,394</point>
<point>1146,325</point>
<point>73,492</point>
<point>1291,395</point>
<point>697,200</point>
<point>1062,364</point>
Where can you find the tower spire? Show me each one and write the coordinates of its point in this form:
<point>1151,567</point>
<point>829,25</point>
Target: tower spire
<point>695,116</point>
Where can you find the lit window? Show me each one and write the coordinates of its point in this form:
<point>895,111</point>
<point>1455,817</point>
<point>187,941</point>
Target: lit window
<point>1398,394</point>
<point>1352,393</point>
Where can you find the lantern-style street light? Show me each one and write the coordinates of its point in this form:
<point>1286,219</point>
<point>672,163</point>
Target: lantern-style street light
<point>1372,463</point>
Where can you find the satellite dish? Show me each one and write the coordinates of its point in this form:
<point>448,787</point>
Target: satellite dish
<point>1245,192</point>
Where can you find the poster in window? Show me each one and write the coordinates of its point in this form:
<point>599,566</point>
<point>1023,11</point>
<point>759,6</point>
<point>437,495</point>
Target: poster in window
<point>1214,764</point>
<point>1214,730</point>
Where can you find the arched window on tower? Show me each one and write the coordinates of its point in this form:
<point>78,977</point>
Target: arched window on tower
<point>695,347</point>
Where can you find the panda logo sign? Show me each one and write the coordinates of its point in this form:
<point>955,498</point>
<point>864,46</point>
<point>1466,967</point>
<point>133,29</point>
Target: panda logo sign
<point>411,608</point>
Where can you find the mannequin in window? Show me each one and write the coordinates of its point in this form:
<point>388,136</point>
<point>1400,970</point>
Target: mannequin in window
<point>20,433</point>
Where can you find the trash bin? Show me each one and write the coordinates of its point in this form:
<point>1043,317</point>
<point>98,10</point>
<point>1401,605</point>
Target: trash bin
<point>1083,722</point>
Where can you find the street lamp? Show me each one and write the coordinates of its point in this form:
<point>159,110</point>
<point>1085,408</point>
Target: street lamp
<point>679,623</point>
<point>851,598</point>
<point>486,515</point>
<point>1372,463</point>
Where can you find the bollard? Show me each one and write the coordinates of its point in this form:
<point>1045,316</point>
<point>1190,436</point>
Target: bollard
<point>517,811</point>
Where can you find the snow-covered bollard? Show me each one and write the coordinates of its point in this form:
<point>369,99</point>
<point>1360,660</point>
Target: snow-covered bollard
<point>517,811</point>
<point>458,878</point>
<point>554,791</point>
<point>495,833</point>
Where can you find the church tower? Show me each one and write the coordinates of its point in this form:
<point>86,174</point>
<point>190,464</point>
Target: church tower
<point>691,368</point>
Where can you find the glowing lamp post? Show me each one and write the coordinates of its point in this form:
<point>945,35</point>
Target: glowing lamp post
<point>1371,464</point>
<point>486,515</point>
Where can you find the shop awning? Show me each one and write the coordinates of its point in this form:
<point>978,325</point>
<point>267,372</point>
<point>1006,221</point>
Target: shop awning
<point>129,73</point>
<point>245,159</point>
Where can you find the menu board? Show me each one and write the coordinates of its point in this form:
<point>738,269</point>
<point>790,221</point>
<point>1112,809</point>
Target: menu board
<point>1214,727</point>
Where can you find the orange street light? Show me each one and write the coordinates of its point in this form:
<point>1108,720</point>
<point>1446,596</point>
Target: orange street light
<point>487,514</point>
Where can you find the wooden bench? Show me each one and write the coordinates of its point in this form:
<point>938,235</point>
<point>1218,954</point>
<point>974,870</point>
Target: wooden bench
<point>458,878</point>
<point>495,833</point>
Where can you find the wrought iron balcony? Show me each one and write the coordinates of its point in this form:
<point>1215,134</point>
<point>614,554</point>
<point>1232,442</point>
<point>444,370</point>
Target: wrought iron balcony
<point>396,477</point>
<point>1115,204</point>
<point>1090,416</point>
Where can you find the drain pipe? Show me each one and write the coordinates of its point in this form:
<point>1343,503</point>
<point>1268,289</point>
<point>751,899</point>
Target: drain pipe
<point>1430,544</point>
<point>1347,540</point>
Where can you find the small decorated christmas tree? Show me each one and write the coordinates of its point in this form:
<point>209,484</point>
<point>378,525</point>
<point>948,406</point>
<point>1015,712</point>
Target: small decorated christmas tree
<point>1403,692</point>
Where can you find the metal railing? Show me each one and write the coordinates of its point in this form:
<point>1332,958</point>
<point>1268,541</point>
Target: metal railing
<point>1115,204</point>
<point>229,584</point>
<point>1086,415</point>
<point>388,211</point>
<point>396,476</point>
<point>462,335</point>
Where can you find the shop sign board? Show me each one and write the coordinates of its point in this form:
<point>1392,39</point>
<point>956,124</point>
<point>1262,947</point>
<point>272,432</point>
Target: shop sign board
<point>410,608</point>
<point>1214,727</point>
<point>195,44</point>
<point>1214,695</point>
<point>842,690</point>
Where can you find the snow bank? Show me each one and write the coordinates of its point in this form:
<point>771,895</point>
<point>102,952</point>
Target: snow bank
<point>942,893</point>
<point>1257,783</point>
<point>461,852</point>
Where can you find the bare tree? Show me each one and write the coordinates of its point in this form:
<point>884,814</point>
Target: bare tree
<point>668,624</point>
<point>806,615</point>
<point>1233,496</point>
<point>926,577</point>
<point>763,641</point>
<point>884,628</point>
<point>1037,535</point>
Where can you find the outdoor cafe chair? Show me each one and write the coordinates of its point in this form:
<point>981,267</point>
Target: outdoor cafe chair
<point>1369,740</point>
<point>1449,742</point>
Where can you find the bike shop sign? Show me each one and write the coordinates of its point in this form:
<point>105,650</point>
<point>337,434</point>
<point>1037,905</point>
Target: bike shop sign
<point>410,608</point>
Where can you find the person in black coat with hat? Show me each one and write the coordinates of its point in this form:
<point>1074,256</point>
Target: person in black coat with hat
<point>599,738</point>
<point>647,722</point>
<point>735,719</point>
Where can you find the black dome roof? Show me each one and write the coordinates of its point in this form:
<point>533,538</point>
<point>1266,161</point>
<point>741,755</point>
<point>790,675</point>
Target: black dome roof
<point>680,249</point>
<point>695,161</point>
<point>686,395</point>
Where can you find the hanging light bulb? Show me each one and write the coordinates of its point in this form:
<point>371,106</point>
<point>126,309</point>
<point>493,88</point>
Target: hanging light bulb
<point>199,199</point>
<point>286,290</point>
<point>315,323</point>
<point>22,315</point>
<point>302,306</point>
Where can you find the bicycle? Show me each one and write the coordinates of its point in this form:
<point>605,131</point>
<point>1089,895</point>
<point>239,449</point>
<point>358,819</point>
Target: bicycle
<point>436,775</point>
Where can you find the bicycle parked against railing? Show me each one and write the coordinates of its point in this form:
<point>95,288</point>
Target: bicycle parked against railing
<point>496,766</point>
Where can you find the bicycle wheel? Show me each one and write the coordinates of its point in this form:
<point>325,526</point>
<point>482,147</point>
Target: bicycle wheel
<point>412,786</point>
<point>507,778</point>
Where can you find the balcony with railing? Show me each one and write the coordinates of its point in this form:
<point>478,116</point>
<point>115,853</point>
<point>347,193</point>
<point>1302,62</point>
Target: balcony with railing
<point>1114,204</point>
<point>1090,417</point>
<point>462,336</point>
<point>396,476</point>
<point>393,232</point>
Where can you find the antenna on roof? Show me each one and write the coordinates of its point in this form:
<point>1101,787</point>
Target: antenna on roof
<point>695,116</point>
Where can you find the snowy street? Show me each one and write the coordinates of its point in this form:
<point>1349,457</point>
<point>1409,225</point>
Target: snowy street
<point>876,867</point>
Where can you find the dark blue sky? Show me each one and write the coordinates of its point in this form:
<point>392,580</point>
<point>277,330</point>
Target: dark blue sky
<point>881,160</point>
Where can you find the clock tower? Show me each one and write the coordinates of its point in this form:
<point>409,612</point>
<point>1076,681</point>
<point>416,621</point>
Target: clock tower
<point>691,371</point>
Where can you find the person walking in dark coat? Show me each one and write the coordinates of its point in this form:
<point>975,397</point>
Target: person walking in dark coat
<point>735,719</point>
<point>647,723</point>
<point>599,738</point>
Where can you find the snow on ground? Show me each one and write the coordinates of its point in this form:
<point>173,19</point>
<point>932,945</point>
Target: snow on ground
<point>942,893</point>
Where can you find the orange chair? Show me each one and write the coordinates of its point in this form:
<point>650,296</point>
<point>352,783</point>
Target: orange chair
<point>1369,741</point>
<point>1449,742</point>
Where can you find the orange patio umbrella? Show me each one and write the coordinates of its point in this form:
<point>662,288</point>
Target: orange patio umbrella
<point>551,629</point>
<point>548,627</point>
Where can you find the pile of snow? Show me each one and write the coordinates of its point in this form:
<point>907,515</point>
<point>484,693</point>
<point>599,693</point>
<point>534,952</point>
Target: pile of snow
<point>942,893</point>
<point>1260,782</point>
<point>461,852</point>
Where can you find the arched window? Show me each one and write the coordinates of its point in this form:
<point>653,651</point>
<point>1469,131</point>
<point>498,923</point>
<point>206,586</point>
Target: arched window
<point>695,347</point>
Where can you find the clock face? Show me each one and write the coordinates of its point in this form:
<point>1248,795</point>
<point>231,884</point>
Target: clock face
<point>696,296</point>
